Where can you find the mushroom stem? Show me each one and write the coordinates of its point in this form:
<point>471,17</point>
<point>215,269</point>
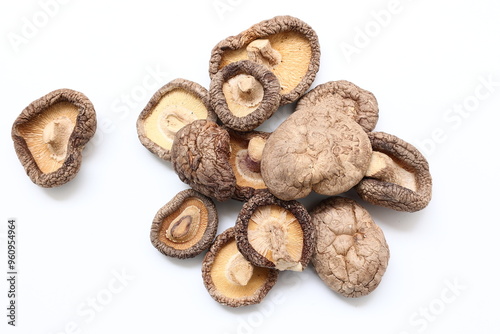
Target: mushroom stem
<point>185,226</point>
<point>383,167</point>
<point>56,135</point>
<point>261,51</point>
<point>239,271</point>
<point>246,90</point>
<point>255,148</point>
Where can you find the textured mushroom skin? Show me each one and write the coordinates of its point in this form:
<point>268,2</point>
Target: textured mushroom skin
<point>264,198</point>
<point>351,253</point>
<point>344,96</point>
<point>84,130</point>
<point>262,30</point>
<point>267,106</point>
<point>221,240</point>
<point>392,195</point>
<point>200,157</point>
<point>179,83</point>
<point>169,208</point>
<point>314,149</point>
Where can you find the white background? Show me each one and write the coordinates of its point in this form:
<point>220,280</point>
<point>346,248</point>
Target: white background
<point>425,62</point>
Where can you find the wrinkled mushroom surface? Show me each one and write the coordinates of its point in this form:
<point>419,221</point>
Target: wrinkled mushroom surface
<point>274,233</point>
<point>245,158</point>
<point>315,150</point>
<point>244,94</point>
<point>398,176</point>
<point>351,253</point>
<point>345,97</point>
<point>230,279</point>
<point>50,134</point>
<point>200,157</point>
<point>173,106</point>
<point>286,45</point>
<point>185,226</point>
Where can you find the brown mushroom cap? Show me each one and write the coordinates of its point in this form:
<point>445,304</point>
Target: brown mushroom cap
<point>244,94</point>
<point>200,157</point>
<point>398,176</point>
<point>351,253</point>
<point>314,149</point>
<point>50,134</point>
<point>185,226</point>
<point>274,233</point>
<point>174,105</point>
<point>230,279</point>
<point>343,96</point>
<point>287,45</point>
<point>245,157</point>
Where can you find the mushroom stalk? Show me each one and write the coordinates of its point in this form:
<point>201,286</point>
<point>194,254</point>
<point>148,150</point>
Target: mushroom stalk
<point>56,135</point>
<point>239,271</point>
<point>261,51</point>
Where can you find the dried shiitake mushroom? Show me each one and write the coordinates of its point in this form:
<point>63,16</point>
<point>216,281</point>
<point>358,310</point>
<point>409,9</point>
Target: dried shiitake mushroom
<point>245,157</point>
<point>244,94</point>
<point>50,134</point>
<point>398,176</point>
<point>200,157</point>
<point>314,149</point>
<point>351,254</point>
<point>230,279</point>
<point>174,105</point>
<point>345,97</point>
<point>286,45</point>
<point>185,226</point>
<point>273,233</point>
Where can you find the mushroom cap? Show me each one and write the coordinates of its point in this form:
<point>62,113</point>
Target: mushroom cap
<point>200,157</point>
<point>189,205</point>
<point>295,40</point>
<point>392,195</point>
<point>228,108</point>
<point>344,96</point>
<point>174,105</point>
<point>45,167</point>
<point>221,288</point>
<point>351,254</point>
<point>314,149</point>
<point>274,224</point>
<point>246,170</point>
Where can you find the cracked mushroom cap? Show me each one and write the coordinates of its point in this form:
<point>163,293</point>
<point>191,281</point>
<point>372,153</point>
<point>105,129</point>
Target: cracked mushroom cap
<point>286,45</point>
<point>185,226</point>
<point>273,233</point>
<point>315,150</point>
<point>351,254</point>
<point>244,94</point>
<point>230,279</point>
<point>245,158</point>
<point>174,105</point>
<point>398,176</point>
<point>50,134</point>
<point>345,97</point>
<point>200,156</point>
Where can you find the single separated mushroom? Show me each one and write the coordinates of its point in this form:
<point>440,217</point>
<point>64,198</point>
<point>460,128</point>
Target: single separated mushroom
<point>273,233</point>
<point>230,279</point>
<point>286,45</point>
<point>345,97</point>
<point>351,254</point>
<point>398,176</point>
<point>174,105</point>
<point>244,94</point>
<point>315,150</point>
<point>50,134</point>
<point>185,226</point>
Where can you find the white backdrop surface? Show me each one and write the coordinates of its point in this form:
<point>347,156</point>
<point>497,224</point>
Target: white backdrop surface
<point>85,261</point>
